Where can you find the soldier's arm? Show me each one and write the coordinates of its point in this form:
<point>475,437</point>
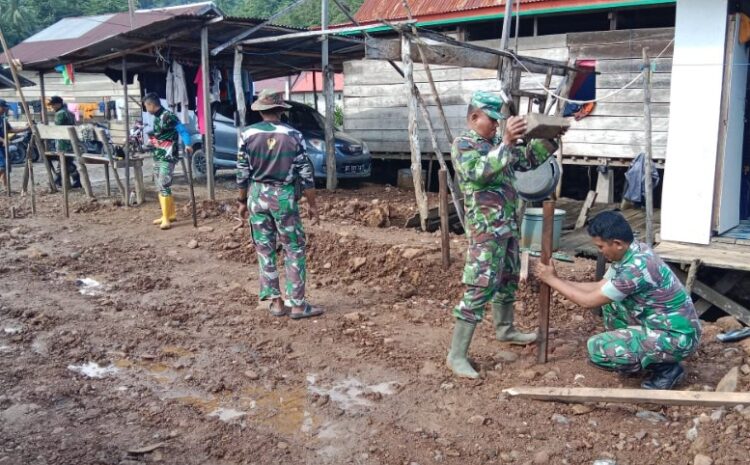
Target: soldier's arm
<point>244,171</point>
<point>477,167</point>
<point>533,154</point>
<point>588,295</point>
<point>302,165</point>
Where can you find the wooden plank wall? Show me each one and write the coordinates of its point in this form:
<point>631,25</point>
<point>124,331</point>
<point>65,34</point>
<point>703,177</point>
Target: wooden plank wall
<point>88,88</point>
<point>615,128</point>
<point>375,98</point>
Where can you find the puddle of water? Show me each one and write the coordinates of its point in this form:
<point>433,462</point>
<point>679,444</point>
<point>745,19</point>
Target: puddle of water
<point>282,409</point>
<point>93,369</point>
<point>227,414</point>
<point>90,287</point>
<point>349,393</point>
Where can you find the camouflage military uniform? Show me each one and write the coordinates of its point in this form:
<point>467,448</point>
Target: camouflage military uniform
<point>486,174</point>
<point>651,319</point>
<point>167,131</point>
<point>63,117</point>
<point>274,160</point>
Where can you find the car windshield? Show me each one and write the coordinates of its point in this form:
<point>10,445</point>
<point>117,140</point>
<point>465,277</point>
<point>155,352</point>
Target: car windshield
<point>304,119</point>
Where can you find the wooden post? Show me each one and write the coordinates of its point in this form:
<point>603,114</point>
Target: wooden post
<point>445,235</point>
<point>544,289</point>
<point>37,140</point>
<point>73,136</point>
<point>315,89</point>
<point>127,130</point>
<point>692,274</point>
<point>30,169</point>
<point>65,183</point>
<point>6,151</point>
<point>107,149</point>
<point>208,149</point>
<point>583,215</point>
<point>649,154</point>
<point>331,175</point>
<point>416,155</point>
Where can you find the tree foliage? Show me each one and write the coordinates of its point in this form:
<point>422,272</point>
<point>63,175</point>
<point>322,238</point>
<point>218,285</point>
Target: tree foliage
<point>20,19</point>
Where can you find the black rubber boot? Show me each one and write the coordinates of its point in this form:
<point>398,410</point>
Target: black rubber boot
<point>664,376</point>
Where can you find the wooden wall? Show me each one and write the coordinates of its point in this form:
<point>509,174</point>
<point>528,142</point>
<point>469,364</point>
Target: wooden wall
<point>375,96</point>
<point>88,88</point>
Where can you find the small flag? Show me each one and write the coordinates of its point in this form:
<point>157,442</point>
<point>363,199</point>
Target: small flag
<point>68,75</point>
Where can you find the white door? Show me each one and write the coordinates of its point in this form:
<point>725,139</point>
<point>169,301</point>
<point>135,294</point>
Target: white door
<point>694,115</point>
<point>732,131</point>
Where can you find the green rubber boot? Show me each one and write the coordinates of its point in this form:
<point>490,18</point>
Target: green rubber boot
<point>502,318</point>
<point>457,359</point>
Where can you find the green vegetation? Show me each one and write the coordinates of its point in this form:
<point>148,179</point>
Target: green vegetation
<point>20,19</point>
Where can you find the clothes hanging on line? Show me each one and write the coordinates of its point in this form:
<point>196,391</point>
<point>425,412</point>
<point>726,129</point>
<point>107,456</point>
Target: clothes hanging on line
<point>177,94</point>
<point>88,109</point>
<point>215,87</point>
<point>198,81</point>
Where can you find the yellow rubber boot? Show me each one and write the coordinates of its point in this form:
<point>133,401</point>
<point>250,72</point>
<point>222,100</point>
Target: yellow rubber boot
<point>172,214</point>
<point>165,203</point>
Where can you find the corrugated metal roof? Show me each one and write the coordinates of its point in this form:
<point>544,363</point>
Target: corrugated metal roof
<point>71,34</point>
<point>7,82</point>
<point>373,10</point>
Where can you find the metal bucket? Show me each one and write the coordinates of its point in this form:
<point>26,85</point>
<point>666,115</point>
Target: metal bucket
<point>531,229</point>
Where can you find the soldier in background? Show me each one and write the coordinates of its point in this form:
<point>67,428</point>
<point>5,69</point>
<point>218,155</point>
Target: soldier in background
<point>64,117</point>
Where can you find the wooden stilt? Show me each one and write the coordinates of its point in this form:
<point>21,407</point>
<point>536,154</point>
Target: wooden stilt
<point>445,235</point>
<point>107,149</point>
<point>73,136</point>
<point>30,169</point>
<point>692,274</point>
<point>127,130</point>
<point>65,184</point>
<point>544,289</point>
<point>6,152</point>
<point>208,148</point>
<point>587,204</point>
<point>416,154</point>
<point>649,190</point>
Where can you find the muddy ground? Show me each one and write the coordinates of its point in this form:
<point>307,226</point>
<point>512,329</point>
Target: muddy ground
<point>121,345</point>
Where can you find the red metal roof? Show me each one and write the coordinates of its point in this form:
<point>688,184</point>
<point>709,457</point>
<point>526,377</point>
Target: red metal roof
<point>302,83</point>
<point>374,10</point>
<point>76,33</point>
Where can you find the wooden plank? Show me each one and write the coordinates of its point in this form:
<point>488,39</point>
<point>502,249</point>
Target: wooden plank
<point>581,221</point>
<point>47,131</point>
<point>592,136</point>
<point>631,49</point>
<point>618,80</point>
<point>399,102</point>
<point>619,123</point>
<point>658,110</point>
<point>462,88</point>
<point>722,286</point>
<point>725,303</point>
<point>374,114</point>
<point>638,396</point>
<point>731,257</point>
<point>632,65</point>
<point>609,150</point>
<point>624,35</point>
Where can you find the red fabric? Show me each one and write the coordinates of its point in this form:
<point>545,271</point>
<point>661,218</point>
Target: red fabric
<point>198,81</point>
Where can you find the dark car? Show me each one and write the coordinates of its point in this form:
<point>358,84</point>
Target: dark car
<point>353,158</point>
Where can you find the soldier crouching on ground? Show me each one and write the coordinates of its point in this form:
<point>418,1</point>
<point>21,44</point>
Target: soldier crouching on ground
<point>485,166</point>
<point>650,319</point>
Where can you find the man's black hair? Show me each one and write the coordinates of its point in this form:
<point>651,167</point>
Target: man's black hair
<point>152,97</point>
<point>611,225</point>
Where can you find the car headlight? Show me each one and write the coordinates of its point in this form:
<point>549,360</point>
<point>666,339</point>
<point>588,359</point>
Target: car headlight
<point>317,144</point>
<point>365,148</point>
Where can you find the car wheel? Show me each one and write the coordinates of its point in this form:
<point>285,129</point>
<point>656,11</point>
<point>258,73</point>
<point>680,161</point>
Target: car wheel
<point>199,166</point>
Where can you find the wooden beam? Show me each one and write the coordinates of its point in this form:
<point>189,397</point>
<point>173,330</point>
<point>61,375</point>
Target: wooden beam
<point>545,292</point>
<point>692,273</point>
<point>208,146</point>
<point>84,172</point>
<point>723,302</point>
<point>316,33</point>
<point>416,152</point>
<point>587,204</point>
<point>648,168</point>
<point>445,235</point>
<point>638,396</point>
<point>332,180</point>
<point>724,285</point>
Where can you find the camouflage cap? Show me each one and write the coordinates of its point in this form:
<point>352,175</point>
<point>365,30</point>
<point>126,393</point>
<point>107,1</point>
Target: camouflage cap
<point>268,100</point>
<point>489,103</point>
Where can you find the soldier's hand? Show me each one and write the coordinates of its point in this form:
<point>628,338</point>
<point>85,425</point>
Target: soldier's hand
<point>242,210</point>
<point>545,273</point>
<point>188,150</point>
<point>515,128</point>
